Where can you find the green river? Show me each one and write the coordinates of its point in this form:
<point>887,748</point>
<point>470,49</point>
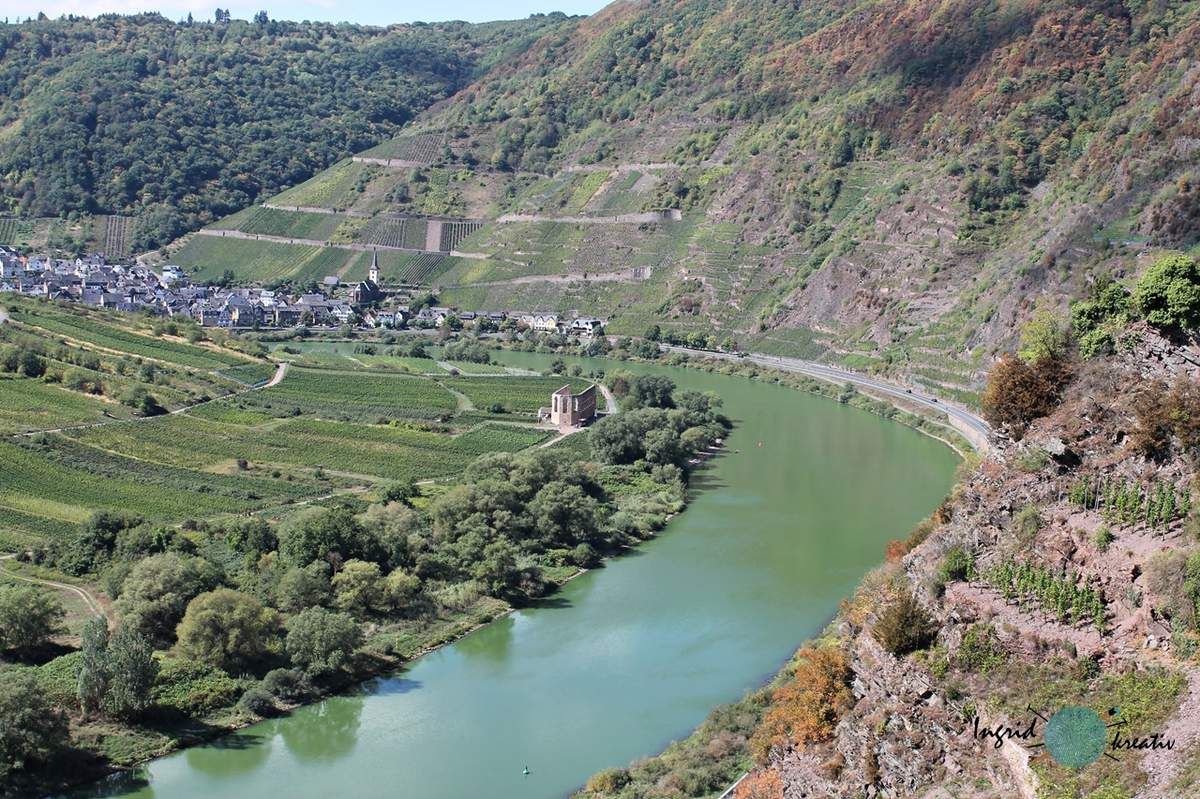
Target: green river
<point>627,657</point>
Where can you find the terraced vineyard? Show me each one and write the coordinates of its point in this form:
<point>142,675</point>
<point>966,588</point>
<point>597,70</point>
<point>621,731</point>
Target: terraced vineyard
<point>113,337</point>
<point>207,257</point>
<point>16,231</point>
<point>454,232</point>
<point>251,374</point>
<point>404,232</point>
<point>27,404</point>
<point>117,232</point>
<point>289,224</point>
<point>424,148</point>
<point>66,481</point>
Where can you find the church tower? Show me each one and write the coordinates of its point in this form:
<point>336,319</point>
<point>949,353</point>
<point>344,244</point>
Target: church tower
<point>373,275</point>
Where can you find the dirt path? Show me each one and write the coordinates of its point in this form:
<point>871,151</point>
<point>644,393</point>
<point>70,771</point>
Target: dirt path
<point>619,219</point>
<point>635,275</point>
<point>313,209</point>
<point>93,604</point>
<point>238,234</point>
<point>609,400</point>
<point>1162,765</point>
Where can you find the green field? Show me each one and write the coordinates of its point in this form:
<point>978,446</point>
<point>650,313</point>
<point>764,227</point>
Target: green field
<point>335,188</point>
<point>522,395</point>
<point>353,396</point>
<point>377,451</point>
<point>289,224</point>
<point>114,337</point>
<point>207,257</point>
<point>27,404</point>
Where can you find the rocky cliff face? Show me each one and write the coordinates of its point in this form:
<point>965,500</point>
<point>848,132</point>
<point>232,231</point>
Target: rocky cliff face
<point>1005,655</point>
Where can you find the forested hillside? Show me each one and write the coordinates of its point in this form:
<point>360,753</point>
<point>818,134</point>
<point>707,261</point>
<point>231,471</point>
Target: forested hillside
<point>181,123</point>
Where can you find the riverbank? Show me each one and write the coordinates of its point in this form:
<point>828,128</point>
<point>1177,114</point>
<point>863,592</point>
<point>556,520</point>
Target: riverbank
<point>814,456</point>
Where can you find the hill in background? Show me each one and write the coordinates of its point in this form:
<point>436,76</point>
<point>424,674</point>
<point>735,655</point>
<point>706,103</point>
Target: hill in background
<point>891,185</point>
<point>176,124</point>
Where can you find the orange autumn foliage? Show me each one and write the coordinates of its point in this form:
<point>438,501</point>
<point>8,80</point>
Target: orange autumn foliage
<point>805,709</point>
<point>766,784</point>
<point>895,550</point>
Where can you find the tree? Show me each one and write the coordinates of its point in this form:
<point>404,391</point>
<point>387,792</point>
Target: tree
<point>322,641</point>
<point>157,591</point>
<point>132,670</point>
<point>1043,336</point>
<point>400,590</point>
<point>29,616</point>
<point>317,532</point>
<point>304,587</point>
<point>92,683</point>
<point>650,391</point>
<point>1168,294</point>
<point>390,525</point>
<point>358,587</point>
<point>653,333</point>
<point>499,573</point>
<point>563,515</point>
<point>95,541</point>
<point>228,629</point>
<point>31,728</point>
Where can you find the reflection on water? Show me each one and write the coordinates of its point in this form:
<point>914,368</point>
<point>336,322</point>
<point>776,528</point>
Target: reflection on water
<point>328,730</point>
<point>239,753</point>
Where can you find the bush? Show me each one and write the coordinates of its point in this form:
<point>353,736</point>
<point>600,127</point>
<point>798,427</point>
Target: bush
<point>806,708</point>
<point>1027,524</point>
<point>904,626</point>
<point>1017,392</point>
<point>289,685</point>
<point>608,782</point>
<point>958,564</point>
<point>194,689</point>
<point>1168,294</point>
<point>980,649</point>
<point>258,700</point>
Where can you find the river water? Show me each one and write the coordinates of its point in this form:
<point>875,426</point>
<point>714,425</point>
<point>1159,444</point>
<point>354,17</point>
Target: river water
<point>628,657</point>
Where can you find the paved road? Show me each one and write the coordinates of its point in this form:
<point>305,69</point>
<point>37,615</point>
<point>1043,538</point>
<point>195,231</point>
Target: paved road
<point>971,425</point>
<point>93,604</point>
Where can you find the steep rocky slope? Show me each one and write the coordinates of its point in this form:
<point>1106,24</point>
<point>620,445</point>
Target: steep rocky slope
<point>1009,655</point>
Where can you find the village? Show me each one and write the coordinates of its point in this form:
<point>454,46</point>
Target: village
<point>369,304</point>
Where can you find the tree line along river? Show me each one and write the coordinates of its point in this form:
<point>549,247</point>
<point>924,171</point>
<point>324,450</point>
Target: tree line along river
<point>626,658</point>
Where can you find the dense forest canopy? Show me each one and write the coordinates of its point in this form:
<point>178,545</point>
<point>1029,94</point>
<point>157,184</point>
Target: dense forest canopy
<point>181,123</point>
